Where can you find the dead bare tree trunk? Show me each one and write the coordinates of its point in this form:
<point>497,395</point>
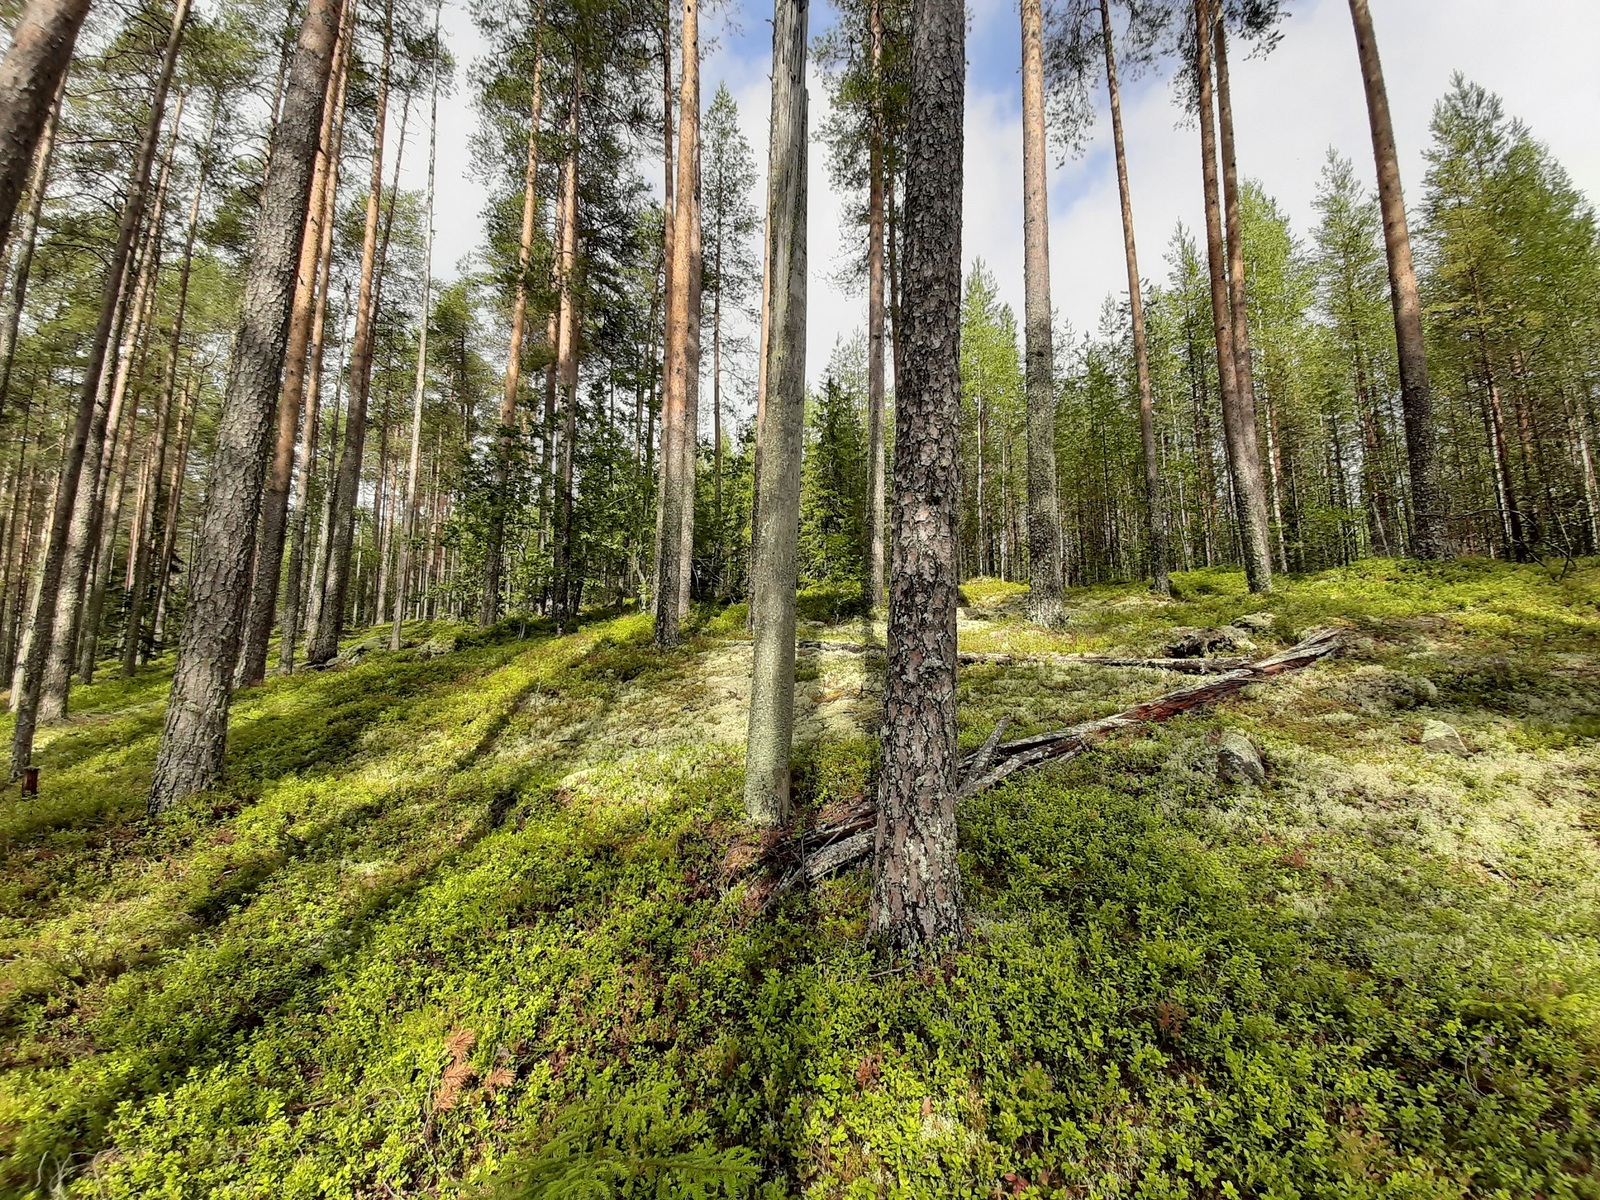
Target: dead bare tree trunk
<point>194,737</point>
<point>774,566</point>
<point>86,426</point>
<point>916,883</point>
<point>1045,605</point>
<point>30,78</point>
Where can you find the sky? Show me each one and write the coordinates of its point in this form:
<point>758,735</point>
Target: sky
<point>1289,108</point>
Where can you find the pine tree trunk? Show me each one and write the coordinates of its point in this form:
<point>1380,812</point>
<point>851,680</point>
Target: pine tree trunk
<point>676,512</point>
<point>1044,518</point>
<point>30,78</point>
<point>323,641</point>
<point>490,608</point>
<point>774,564</point>
<point>567,338</point>
<point>88,423</point>
<point>274,521</point>
<point>1160,581</point>
<point>27,237</point>
<point>916,883</point>
<point>193,740</point>
<point>402,575</point>
<point>294,586</point>
<point>1249,483</point>
<point>174,509</point>
<point>1238,421</point>
<point>1429,538</point>
<point>876,451</point>
<point>716,420</point>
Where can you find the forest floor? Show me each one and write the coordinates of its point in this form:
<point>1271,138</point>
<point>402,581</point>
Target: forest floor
<point>465,923</point>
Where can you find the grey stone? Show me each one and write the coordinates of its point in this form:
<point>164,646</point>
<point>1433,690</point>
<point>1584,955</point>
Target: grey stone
<point>1256,622</point>
<point>1238,761</point>
<point>1441,738</point>
<point>1198,643</point>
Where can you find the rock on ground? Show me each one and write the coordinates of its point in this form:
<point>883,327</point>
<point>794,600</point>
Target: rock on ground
<point>1441,738</point>
<point>1238,760</point>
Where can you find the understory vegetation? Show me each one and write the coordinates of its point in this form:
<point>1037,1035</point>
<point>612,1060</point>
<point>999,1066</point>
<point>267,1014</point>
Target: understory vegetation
<point>472,918</point>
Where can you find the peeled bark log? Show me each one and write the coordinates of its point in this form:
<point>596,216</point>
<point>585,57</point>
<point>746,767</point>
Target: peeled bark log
<point>774,565</point>
<point>194,737</point>
<point>916,883</point>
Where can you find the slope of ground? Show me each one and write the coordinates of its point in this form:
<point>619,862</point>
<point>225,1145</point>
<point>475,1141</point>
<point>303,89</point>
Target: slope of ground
<point>462,924</point>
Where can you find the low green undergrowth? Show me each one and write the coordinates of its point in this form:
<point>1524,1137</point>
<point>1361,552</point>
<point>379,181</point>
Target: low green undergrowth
<point>468,925</point>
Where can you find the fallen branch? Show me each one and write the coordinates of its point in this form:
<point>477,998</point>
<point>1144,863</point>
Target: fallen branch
<point>1188,666</point>
<point>845,838</point>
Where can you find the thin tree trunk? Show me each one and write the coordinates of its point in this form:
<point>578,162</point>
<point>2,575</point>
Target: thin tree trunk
<point>774,566</point>
<point>490,608</point>
<point>1427,500</point>
<point>414,458</point>
<point>274,520</point>
<point>25,241</point>
<point>169,539</point>
<point>1250,491</point>
<point>30,77</point>
<point>1045,605</point>
<point>716,420</point>
<point>916,883</point>
<point>876,454</point>
<point>194,737</point>
<point>1160,581</point>
<point>567,338</point>
<point>323,641</point>
<point>294,589</point>
<point>676,501</point>
<point>86,427</point>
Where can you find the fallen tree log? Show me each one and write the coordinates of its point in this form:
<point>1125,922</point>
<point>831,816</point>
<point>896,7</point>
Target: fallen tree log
<point>1188,666</point>
<point>845,838</point>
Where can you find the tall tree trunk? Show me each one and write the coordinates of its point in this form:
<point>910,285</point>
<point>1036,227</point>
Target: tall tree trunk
<point>1160,581</point>
<point>916,883</point>
<point>274,521</point>
<point>1044,517</point>
<point>682,355</point>
<point>323,642</point>
<point>25,241</point>
<point>1427,499</point>
<point>294,589</point>
<point>668,166</point>
<point>195,734</point>
<point>30,77</point>
<point>189,400</point>
<point>85,427</point>
<point>567,338</point>
<point>1238,421</point>
<point>1249,483</point>
<point>402,577</point>
<point>716,420</point>
<point>490,608</point>
<point>876,455</point>
<point>774,566</point>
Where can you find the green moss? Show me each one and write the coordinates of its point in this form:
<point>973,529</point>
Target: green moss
<point>464,926</point>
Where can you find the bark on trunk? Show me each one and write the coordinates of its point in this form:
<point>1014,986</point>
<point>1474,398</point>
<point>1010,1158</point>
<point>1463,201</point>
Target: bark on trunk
<point>876,456</point>
<point>566,594</point>
<point>195,734</point>
<point>1428,538</point>
<point>323,642</point>
<point>680,403</point>
<point>1160,581</point>
<point>1044,518</point>
<point>27,237</point>
<point>88,422</point>
<point>273,528</point>
<point>30,76</point>
<point>774,565</point>
<point>916,883</point>
<point>1249,483</point>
